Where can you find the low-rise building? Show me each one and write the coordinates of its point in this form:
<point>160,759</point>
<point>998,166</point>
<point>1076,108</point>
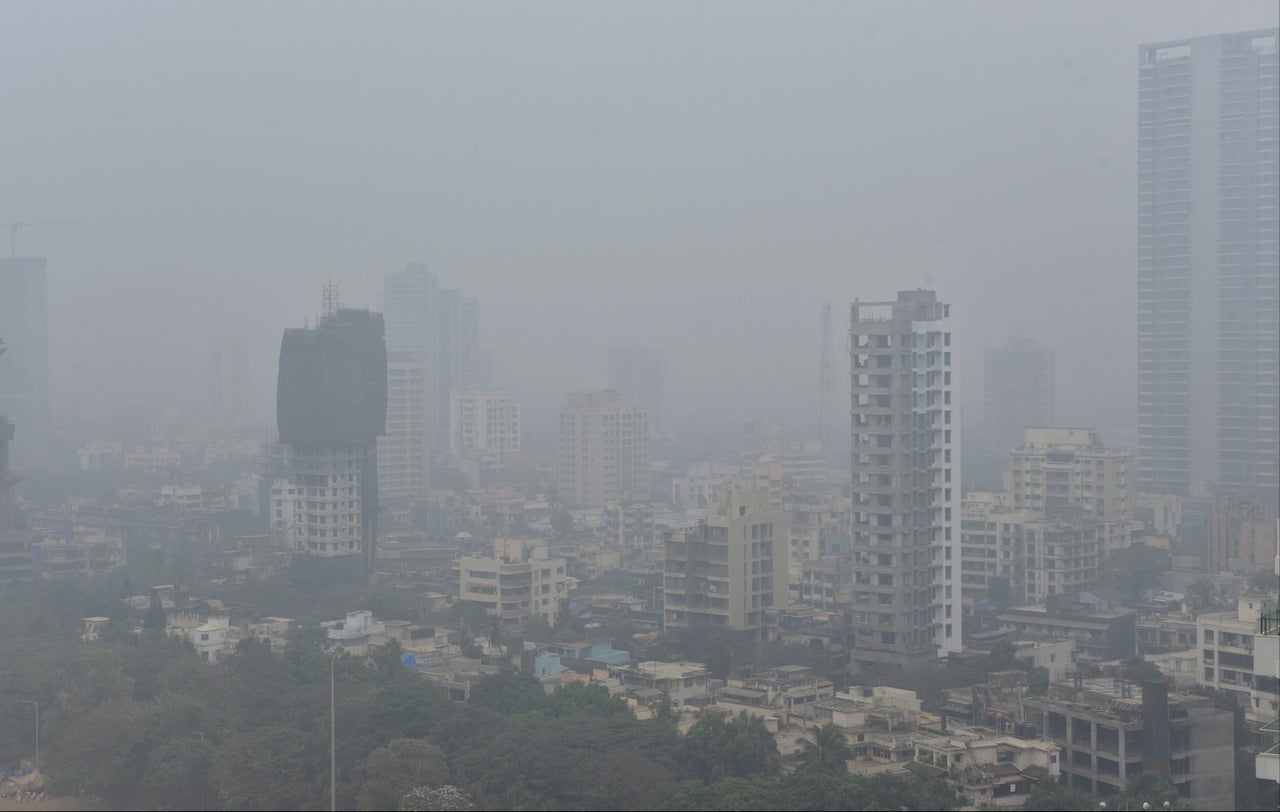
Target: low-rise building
<point>77,551</point>
<point>678,681</point>
<point>1226,642</point>
<point>354,632</point>
<point>987,770</point>
<point>520,580</point>
<point>1099,635</point>
<point>1110,730</point>
<point>102,455</point>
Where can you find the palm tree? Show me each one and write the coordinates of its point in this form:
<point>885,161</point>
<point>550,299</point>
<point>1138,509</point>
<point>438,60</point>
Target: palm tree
<point>496,639</point>
<point>827,751</point>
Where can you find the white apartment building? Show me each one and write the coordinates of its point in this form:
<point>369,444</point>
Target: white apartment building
<point>327,487</point>
<point>483,421</point>
<point>1230,655</point>
<point>404,451</point>
<point>604,449</point>
<point>906,501</point>
<point>1062,557</point>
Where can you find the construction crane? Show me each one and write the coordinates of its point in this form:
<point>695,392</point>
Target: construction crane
<point>14,225</point>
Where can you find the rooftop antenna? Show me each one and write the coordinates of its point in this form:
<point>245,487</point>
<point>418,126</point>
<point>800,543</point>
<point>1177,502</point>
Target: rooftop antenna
<point>330,298</point>
<point>15,224</point>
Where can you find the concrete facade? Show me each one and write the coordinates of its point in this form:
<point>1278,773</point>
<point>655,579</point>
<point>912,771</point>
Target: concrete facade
<point>906,502</point>
<point>729,570</point>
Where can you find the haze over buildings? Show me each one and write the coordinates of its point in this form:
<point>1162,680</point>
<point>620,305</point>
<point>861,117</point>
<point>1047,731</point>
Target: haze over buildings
<point>24,375</point>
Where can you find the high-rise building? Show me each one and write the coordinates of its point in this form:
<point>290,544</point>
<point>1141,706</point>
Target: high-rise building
<point>483,421</point>
<point>906,501</point>
<point>604,449</point>
<point>24,375</point>
<point>439,326</point>
<point>639,373</point>
<point>229,392</point>
<point>331,407</point>
<point>730,569</point>
<point>1018,393</point>
<point>1208,267</point>
<point>404,452</point>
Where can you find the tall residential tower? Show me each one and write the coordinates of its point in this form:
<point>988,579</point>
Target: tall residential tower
<point>906,500</point>
<point>1208,267</point>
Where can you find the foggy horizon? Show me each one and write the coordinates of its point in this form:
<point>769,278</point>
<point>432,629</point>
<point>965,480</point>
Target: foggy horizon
<point>699,180</point>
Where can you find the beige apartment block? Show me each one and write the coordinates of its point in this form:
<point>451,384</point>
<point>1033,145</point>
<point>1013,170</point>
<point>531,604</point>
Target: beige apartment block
<point>1059,471</point>
<point>730,569</point>
<point>518,581</point>
<point>992,545</point>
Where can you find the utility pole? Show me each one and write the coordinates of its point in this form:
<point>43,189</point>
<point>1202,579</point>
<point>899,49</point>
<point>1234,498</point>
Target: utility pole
<point>333,746</point>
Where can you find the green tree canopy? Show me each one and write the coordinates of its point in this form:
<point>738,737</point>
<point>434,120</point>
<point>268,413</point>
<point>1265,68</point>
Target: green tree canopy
<point>739,747</point>
<point>389,773</point>
<point>1050,795</point>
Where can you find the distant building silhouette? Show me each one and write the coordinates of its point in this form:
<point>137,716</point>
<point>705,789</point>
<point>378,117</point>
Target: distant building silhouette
<point>1208,267</point>
<point>24,374</point>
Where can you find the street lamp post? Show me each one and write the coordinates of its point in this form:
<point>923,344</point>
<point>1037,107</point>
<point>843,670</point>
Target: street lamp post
<point>37,704</point>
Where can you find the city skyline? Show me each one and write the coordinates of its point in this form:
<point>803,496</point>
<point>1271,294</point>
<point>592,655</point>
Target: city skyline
<point>514,220</point>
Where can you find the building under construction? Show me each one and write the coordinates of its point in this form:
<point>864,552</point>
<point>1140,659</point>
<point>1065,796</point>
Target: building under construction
<point>331,406</point>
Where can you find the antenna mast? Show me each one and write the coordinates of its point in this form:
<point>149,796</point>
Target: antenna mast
<point>330,298</point>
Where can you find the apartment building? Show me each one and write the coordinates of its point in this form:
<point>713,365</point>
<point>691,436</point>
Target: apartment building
<point>404,452</point>
<point>484,421</point>
<point>1110,730</point>
<point>1059,471</point>
<point>1227,642</point>
<point>604,449</point>
<point>518,581</point>
<point>728,570</point>
<point>906,502</point>
<point>993,546</point>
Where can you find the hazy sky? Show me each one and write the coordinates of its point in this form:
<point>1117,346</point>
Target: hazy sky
<point>697,177</point>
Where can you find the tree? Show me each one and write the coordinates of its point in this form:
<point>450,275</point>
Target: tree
<point>1147,788</point>
<point>562,524</point>
<point>1139,669</point>
<point>740,747</point>
<point>826,750</point>
<point>1135,568</point>
<point>1050,794</point>
<point>497,638</point>
<point>389,773</point>
<point>270,768</point>
<point>388,660</point>
<point>508,692</point>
